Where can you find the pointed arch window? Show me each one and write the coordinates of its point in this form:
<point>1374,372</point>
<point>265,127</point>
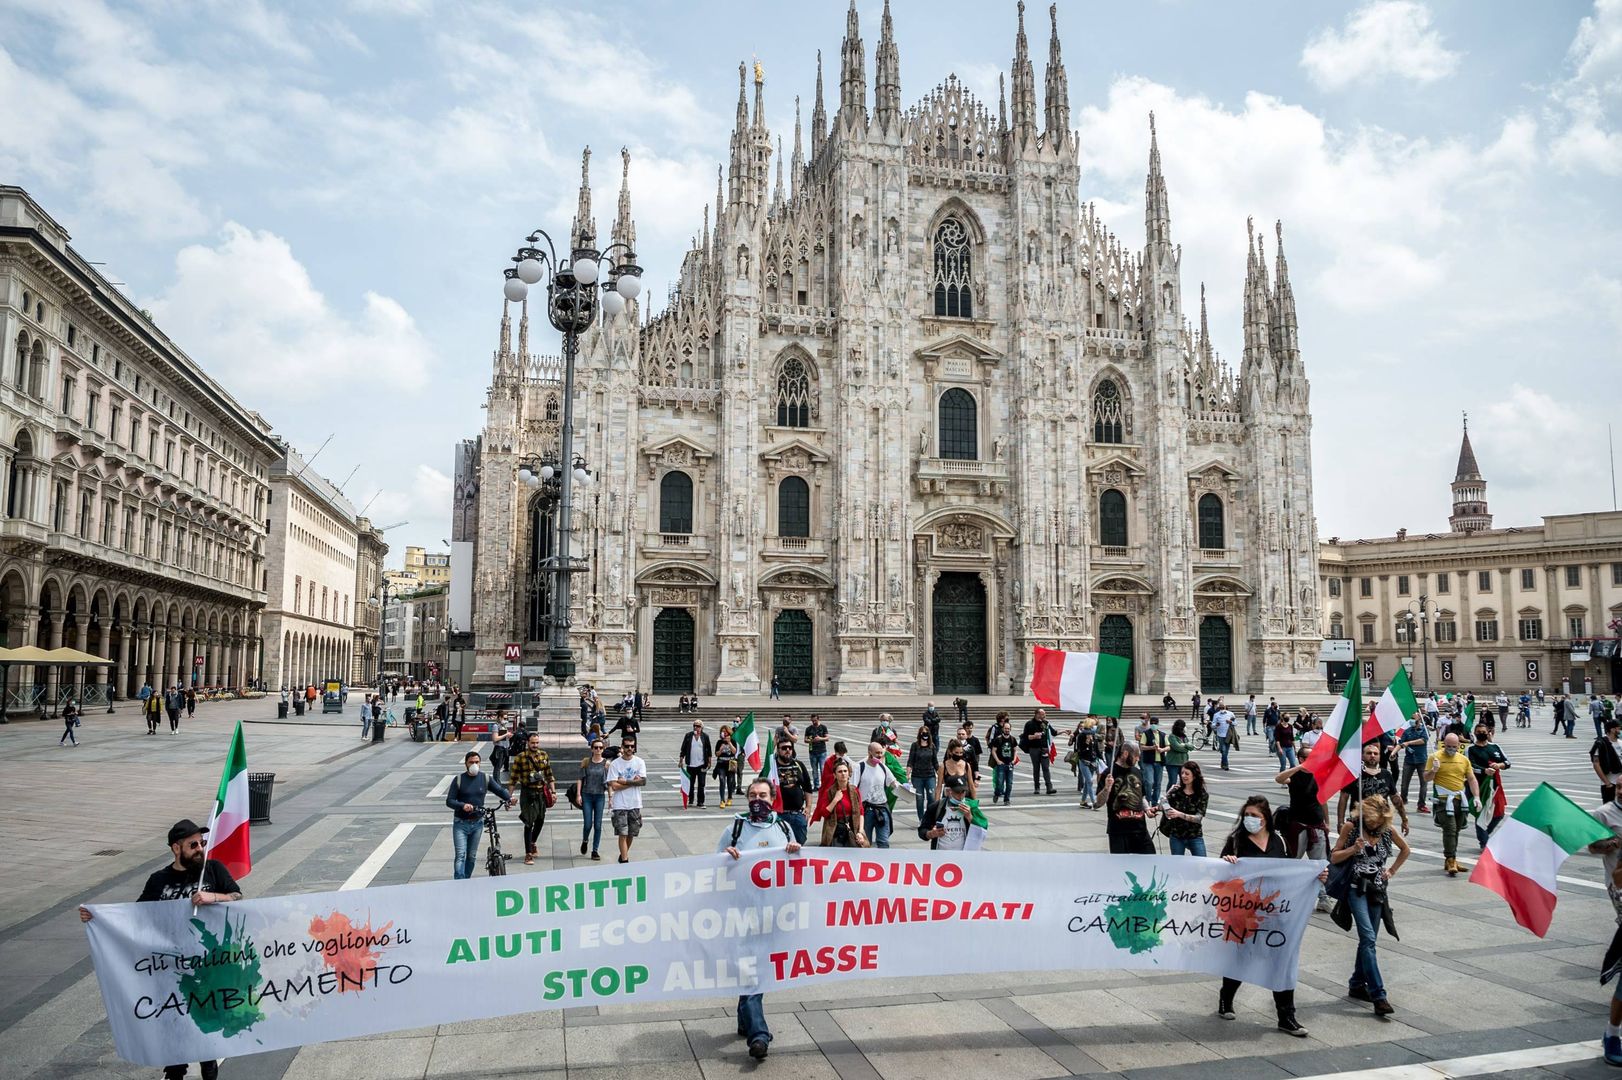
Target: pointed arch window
<point>958,425</point>
<point>1112,519</point>
<point>793,507</point>
<point>1109,413</point>
<point>793,398</point>
<point>954,293</point>
<point>676,503</point>
<point>1212,527</point>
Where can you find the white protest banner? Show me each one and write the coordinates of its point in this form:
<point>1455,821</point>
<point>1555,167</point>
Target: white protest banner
<point>264,974</point>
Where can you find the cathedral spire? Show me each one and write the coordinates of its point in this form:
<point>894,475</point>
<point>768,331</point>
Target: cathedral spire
<point>777,192</point>
<point>523,335</point>
<point>738,174</point>
<point>1024,86</point>
<point>760,97</point>
<point>624,226</point>
<point>1256,315</point>
<point>1058,88</point>
<point>799,155</point>
<point>584,227</point>
<point>887,75</point>
<point>1002,104</point>
<point>1156,207</point>
<point>1469,490</point>
<point>852,72</point>
<point>1205,328</point>
<point>504,346</point>
<point>819,115</point>
<point>1289,337</point>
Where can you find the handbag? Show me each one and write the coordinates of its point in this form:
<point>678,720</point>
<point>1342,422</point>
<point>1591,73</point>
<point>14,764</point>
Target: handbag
<point>572,793</point>
<point>549,797</point>
<point>1339,883</point>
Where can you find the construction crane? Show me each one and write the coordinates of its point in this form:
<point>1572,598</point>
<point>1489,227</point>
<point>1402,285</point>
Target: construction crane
<point>386,528</point>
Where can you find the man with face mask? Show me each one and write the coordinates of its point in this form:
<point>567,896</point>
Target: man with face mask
<point>946,822</point>
<point>1448,771</point>
<point>792,786</point>
<point>466,797</point>
<point>757,829</point>
<point>190,876</point>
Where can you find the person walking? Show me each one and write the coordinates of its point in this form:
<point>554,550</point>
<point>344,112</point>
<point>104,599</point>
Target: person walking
<point>1413,741</point>
<point>756,830</point>
<point>1003,749</point>
<point>1250,715</point>
<point>1270,720</point>
<point>956,763</point>
<point>1487,764</point>
<point>365,717</point>
<point>946,822</point>
<point>70,720</point>
<point>532,776</point>
<point>1308,826</point>
<point>152,708</point>
<point>932,720</point>
<point>1606,758</point>
<point>839,808</point>
<point>1126,810</point>
<point>841,754</point>
<point>1194,706</point>
<point>1254,837</point>
<point>1222,730</point>
<point>777,689</point>
<point>1035,740</point>
<point>1367,842</point>
<point>593,793</point>
<point>816,741</point>
<point>884,733</point>
<point>694,759</point>
<point>191,875</point>
<point>923,763</point>
<point>1182,811</point>
<point>1453,791</point>
<point>793,789</point>
<point>874,783</point>
<point>1155,747</point>
<point>726,767</point>
<point>466,797</point>
<point>1088,746</point>
<point>1284,743</point>
<point>1596,713</point>
<point>627,776</point>
<point>191,702</point>
<point>173,702</point>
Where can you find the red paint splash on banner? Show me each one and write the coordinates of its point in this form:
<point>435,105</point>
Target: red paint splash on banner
<point>349,950</point>
<point>1241,909</point>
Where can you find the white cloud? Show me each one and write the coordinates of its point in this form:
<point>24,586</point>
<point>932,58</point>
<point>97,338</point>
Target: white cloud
<point>1596,51</point>
<point>1529,437</point>
<point>1583,102</point>
<point>1383,37</point>
<point>247,310</point>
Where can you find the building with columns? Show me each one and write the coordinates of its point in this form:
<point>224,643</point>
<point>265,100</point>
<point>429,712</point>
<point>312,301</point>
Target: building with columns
<point>370,552</point>
<point>134,485</point>
<point>909,410</point>
<point>1478,608</point>
<point>312,569</point>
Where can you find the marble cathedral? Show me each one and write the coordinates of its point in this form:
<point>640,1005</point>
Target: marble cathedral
<point>909,410</point>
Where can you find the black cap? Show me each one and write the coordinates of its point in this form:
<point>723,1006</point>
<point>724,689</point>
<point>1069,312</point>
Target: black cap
<point>955,783</point>
<point>183,828</point>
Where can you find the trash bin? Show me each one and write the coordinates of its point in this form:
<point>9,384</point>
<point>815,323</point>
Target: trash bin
<point>281,710</point>
<point>419,731</point>
<point>259,787</point>
<point>377,732</point>
<point>298,706</point>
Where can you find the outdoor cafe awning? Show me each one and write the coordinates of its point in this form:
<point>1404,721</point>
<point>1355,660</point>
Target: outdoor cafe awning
<point>33,654</point>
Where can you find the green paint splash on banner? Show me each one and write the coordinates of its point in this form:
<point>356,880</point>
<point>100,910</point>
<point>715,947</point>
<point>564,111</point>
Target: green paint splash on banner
<point>218,986</point>
<point>1132,920</point>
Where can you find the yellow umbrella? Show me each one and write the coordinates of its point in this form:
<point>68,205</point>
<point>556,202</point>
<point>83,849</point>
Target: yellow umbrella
<point>74,656</point>
<point>26,654</point>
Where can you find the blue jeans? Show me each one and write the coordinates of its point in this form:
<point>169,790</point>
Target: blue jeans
<point>591,819</point>
<point>1084,780</point>
<point>818,759</point>
<point>1272,738</point>
<point>796,824</point>
<point>752,1018</point>
<point>1192,846</point>
<point>876,823</point>
<point>1286,757</point>
<point>1224,747</point>
<point>465,835</point>
<point>923,793</point>
<point>1366,971</point>
<point>1002,782</point>
<point>1250,724</point>
<point>1152,772</point>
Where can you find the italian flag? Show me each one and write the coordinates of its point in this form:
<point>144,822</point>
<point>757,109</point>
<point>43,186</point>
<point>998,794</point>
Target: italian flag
<point>1524,855</point>
<point>228,824</point>
<point>748,744</point>
<point>1337,756</point>
<point>1090,683</point>
<point>1393,709</point>
<point>978,825</point>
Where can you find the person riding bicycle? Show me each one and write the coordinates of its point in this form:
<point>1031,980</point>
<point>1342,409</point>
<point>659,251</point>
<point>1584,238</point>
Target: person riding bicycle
<point>466,798</point>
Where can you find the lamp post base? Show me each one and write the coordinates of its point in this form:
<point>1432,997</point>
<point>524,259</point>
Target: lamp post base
<point>560,665</point>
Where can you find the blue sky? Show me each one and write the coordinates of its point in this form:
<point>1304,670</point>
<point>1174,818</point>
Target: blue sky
<point>316,199</point>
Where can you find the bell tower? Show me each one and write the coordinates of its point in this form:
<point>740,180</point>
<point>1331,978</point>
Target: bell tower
<point>1469,491</point>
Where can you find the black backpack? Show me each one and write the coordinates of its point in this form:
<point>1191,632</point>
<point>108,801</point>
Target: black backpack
<point>738,823</point>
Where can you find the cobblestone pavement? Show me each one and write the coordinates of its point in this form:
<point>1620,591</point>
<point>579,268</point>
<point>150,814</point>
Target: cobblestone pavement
<point>1475,994</point>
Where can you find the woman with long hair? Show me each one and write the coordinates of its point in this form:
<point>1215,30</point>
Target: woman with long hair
<point>593,795</point>
<point>839,808</point>
<point>923,763</point>
<point>1254,837</point>
<point>1182,811</point>
<point>1367,842</point>
<point>726,766</point>
<point>956,764</point>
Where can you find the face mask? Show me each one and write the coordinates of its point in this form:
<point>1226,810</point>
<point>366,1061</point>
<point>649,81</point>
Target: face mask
<point>473,769</point>
<point>1253,825</point>
<point>953,800</point>
<point>759,809</point>
<point>1450,751</point>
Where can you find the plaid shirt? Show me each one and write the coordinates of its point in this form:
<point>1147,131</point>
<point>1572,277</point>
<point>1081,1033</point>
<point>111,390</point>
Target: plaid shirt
<point>531,769</point>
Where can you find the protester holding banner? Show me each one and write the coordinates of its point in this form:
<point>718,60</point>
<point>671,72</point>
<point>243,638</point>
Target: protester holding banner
<point>1254,838</point>
<point>593,793</point>
<point>465,796</point>
<point>1123,796</point>
<point>1367,841</point>
<point>758,829</point>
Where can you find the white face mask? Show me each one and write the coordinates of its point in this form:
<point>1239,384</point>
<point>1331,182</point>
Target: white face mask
<point>1253,825</point>
<point>473,769</point>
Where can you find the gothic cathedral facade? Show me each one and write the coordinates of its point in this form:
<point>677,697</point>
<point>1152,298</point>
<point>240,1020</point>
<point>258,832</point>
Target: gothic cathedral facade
<point>908,416</point>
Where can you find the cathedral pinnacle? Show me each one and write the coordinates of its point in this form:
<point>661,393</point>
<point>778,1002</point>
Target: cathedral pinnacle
<point>852,73</point>
<point>624,226</point>
<point>504,346</point>
<point>1002,104</point>
<point>1057,99</point>
<point>1288,344</point>
<point>887,75</point>
<point>1205,328</point>
<point>799,155</point>
<point>777,192</point>
<point>1024,86</point>
<point>1156,206</point>
<point>523,335</point>
<point>819,115</point>
<point>584,227</point>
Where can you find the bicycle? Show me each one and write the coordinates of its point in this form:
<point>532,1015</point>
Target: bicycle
<point>495,860</point>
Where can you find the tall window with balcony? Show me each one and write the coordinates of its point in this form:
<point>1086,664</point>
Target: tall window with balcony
<point>793,394</point>
<point>1212,527</point>
<point>1112,531</point>
<point>793,507</point>
<point>959,426</point>
<point>1109,413</point>
<point>676,503</point>
<point>954,293</point>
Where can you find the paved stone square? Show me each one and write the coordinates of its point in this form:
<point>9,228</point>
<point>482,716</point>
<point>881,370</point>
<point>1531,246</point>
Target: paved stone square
<point>1465,980</point>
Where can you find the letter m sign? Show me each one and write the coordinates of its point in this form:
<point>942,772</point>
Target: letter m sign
<point>515,651</point>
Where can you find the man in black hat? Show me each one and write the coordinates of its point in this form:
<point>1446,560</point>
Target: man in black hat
<point>191,876</point>
<point>946,822</point>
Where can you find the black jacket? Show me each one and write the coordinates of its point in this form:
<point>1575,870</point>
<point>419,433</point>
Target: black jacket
<point>932,817</point>
<point>687,748</point>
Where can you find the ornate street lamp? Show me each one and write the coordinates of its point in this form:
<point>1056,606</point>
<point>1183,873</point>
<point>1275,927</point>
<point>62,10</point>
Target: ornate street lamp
<point>1424,613</point>
<point>572,299</point>
<point>380,602</point>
